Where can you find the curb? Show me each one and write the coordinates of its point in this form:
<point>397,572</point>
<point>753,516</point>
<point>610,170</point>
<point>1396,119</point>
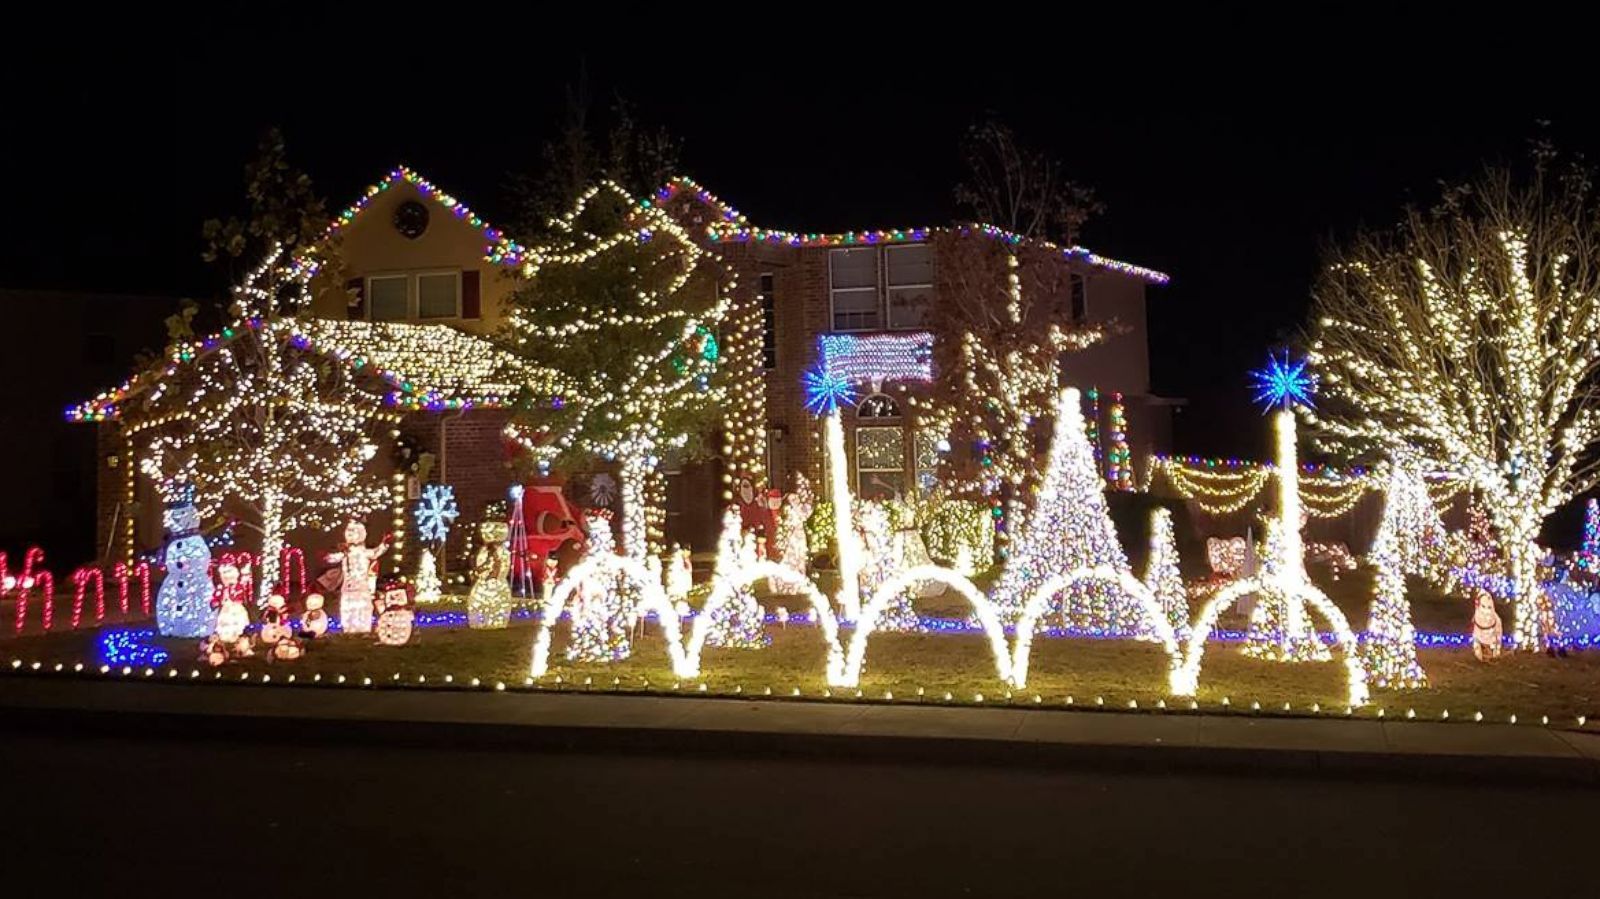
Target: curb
<point>377,726</point>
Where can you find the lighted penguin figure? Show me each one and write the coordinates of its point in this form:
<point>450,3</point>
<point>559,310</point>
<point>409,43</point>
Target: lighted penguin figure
<point>183,603</point>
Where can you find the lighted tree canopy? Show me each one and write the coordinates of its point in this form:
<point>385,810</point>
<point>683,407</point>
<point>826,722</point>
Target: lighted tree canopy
<point>1468,336</point>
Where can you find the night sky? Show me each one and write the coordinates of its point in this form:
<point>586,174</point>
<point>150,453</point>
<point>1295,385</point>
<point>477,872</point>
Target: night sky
<point>1226,158</point>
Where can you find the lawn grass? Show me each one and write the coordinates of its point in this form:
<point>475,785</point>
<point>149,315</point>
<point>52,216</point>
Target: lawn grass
<point>926,667</point>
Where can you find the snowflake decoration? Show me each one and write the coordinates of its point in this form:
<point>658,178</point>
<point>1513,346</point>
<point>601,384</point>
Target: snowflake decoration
<point>826,392</point>
<point>1283,383</point>
<point>436,512</point>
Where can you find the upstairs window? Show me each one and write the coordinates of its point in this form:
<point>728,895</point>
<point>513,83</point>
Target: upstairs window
<point>910,284</point>
<point>1079,295</point>
<point>389,298</point>
<point>769,325</point>
<point>414,296</point>
<point>439,295</point>
<point>853,286</point>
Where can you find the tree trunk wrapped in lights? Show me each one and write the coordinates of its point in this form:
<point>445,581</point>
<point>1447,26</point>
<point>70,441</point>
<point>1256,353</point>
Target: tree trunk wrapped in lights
<point>1470,337</point>
<point>624,302</point>
<point>1391,643</point>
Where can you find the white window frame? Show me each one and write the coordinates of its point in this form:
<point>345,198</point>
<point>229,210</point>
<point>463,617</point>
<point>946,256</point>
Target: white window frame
<point>416,294</point>
<point>901,471</point>
<point>889,289</point>
<point>876,290</point>
<point>390,276</point>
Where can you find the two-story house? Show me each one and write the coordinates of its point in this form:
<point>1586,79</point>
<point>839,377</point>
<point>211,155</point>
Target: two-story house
<point>862,299</point>
<point>418,266</point>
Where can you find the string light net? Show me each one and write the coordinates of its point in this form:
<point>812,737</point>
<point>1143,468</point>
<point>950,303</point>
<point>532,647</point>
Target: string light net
<point>739,622</point>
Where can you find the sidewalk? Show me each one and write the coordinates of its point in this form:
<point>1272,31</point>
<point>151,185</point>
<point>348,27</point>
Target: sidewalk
<point>1173,741</point>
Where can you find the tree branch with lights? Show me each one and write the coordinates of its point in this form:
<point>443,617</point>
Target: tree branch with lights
<point>1468,337</point>
<point>627,305</point>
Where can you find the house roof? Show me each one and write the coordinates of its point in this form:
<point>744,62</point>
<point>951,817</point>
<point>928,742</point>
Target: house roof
<point>732,226</point>
<point>433,367</point>
<point>404,175</point>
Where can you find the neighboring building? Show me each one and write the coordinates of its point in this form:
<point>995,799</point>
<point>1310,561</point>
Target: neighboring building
<point>61,346</point>
<point>416,261</point>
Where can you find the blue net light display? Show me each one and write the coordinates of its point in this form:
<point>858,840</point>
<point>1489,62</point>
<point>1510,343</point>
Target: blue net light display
<point>183,603</point>
<point>1283,383</point>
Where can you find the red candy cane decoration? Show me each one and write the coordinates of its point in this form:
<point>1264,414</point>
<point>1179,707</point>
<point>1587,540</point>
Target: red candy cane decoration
<point>291,558</point>
<point>80,584</point>
<point>28,580</point>
<point>122,572</point>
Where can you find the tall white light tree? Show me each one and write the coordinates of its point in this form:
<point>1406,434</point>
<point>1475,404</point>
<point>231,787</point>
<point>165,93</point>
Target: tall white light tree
<point>1469,336</point>
<point>624,302</point>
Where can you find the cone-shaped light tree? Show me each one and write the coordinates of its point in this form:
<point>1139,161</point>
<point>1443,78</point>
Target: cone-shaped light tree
<point>1161,575</point>
<point>1069,528</point>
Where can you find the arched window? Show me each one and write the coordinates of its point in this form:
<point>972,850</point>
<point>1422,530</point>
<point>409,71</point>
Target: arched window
<point>878,406</point>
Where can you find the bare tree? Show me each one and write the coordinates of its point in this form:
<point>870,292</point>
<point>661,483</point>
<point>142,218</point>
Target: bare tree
<point>1469,335</point>
<point>1004,315</point>
<point>1019,188</point>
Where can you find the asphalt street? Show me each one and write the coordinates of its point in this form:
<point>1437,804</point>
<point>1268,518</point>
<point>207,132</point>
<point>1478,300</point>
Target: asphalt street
<point>222,818</point>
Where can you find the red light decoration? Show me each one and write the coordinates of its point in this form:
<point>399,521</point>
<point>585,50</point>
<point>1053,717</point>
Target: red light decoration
<point>291,558</point>
<point>25,583</point>
<point>80,585</point>
<point>123,573</point>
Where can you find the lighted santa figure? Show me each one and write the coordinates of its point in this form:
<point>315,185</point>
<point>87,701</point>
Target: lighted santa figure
<point>1486,628</point>
<point>358,568</point>
<point>232,616</point>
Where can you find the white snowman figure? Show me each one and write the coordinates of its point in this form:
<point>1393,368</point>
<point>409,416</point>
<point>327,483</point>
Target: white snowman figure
<point>183,602</point>
<point>314,623</point>
<point>358,565</point>
<point>1486,628</point>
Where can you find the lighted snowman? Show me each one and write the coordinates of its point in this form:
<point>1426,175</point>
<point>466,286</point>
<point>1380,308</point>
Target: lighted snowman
<point>1486,628</point>
<point>396,620</point>
<point>314,623</point>
<point>489,602</point>
<point>183,602</point>
<point>274,620</point>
